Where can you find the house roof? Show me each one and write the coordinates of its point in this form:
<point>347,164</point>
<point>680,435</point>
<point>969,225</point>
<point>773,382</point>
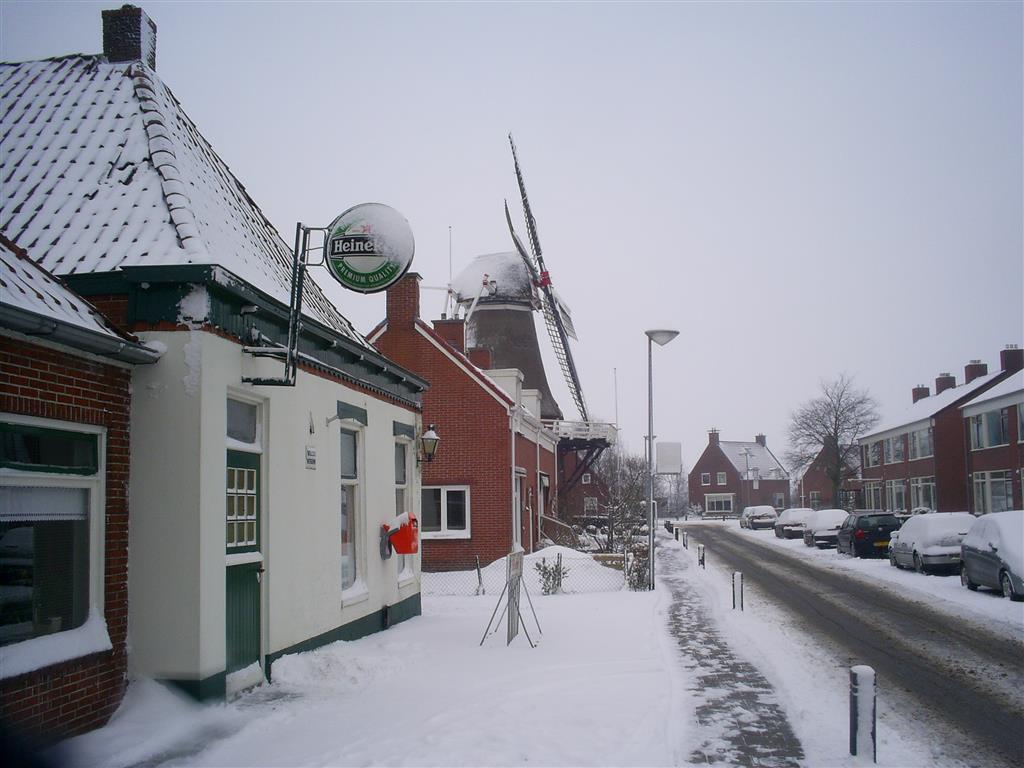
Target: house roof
<point>1011,385</point>
<point>759,456</point>
<point>102,169</point>
<point>927,407</point>
<point>35,302</point>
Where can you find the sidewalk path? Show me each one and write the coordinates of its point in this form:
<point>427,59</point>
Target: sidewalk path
<point>738,718</point>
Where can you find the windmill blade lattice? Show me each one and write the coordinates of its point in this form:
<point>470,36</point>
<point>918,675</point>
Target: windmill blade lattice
<point>552,312</point>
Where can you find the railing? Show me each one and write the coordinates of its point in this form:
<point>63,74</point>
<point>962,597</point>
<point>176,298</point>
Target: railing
<point>584,430</point>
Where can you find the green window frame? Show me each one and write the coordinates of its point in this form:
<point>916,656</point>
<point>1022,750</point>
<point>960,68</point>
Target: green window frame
<point>242,501</point>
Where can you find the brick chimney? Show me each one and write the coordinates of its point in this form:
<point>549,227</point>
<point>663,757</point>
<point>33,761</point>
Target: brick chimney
<point>943,382</point>
<point>129,35</point>
<point>712,436</point>
<point>481,358</point>
<point>919,392</point>
<point>452,331</point>
<point>404,301</point>
<point>1011,358</point>
<point>973,370</point>
<point>761,440</point>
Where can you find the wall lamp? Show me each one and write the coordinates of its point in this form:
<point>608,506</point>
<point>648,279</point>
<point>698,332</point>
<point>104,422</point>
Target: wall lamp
<point>428,445</point>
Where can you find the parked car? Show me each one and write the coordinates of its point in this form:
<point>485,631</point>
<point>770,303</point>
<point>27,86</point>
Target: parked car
<point>790,524</point>
<point>930,541</point>
<point>866,534</point>
<point>821,527</point>
<point>992,554</point>
<point>761,516</point>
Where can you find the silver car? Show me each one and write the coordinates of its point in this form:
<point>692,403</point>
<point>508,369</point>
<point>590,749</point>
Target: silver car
<point>930,541</point>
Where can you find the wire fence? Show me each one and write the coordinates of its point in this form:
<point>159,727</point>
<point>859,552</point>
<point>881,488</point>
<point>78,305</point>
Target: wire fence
<point>553,570</point>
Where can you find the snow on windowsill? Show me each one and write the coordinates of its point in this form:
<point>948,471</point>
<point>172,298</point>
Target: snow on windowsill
<point>40,652</point>
<point>238,445</point>
<point>357,593</point>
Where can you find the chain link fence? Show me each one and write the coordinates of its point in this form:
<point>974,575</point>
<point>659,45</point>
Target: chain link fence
<point>553,570</point>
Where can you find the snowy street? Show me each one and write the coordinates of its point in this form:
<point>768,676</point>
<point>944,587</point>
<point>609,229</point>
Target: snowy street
<point>618,678</point>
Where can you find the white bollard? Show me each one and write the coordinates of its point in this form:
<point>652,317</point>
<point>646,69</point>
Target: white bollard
<point>863,742</point>
<point>700,555</point>
<point>686,540</point>
<point>737,590</point>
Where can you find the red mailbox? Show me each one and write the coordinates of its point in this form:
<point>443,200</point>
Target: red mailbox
<point>404,534</point>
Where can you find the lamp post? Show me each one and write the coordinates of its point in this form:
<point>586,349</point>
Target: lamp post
<point>661,337</point>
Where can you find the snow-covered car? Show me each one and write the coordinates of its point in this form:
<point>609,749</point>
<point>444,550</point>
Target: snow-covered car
<point>821,528</point>
<point>930,541</point>
<point>760,516</point>
<point>790,524</point>
<point>992,553</point>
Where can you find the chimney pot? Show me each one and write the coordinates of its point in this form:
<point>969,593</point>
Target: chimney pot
<point>943,382</point>
<point>129,35</point>
<point>712,436</point>
<point>1011,358</point>
<point>973,370</point>
<point>919,392</point>
<point>761,440</point>
<point>481,358</point>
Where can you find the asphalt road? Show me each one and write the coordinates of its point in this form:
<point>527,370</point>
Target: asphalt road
<point>969,678</point>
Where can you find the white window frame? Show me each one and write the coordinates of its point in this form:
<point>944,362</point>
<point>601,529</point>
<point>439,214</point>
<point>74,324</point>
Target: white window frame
<point>705,478</point>
<point>444,533</point>
<point>585,480</point>
<point>889,450</point>
<point>917,492</point>
<point>713,498</point>
<point>590,504</point>
<point>981,483</point>
<point>981,437</point>
<point>90,637</point>
<point>358,589</point>
<point>403,563</point>
<point>915,443</point>
<point>873,495</point>
<point>721,478</point>
<point>891,487</point>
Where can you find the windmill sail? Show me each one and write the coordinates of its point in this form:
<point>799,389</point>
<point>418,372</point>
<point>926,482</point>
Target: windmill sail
<point>552,307</point>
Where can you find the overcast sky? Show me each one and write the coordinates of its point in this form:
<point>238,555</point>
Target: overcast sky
<point>800,189</point>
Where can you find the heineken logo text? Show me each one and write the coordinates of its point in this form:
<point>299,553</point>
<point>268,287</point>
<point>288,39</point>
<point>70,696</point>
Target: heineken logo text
<point>353,245</point>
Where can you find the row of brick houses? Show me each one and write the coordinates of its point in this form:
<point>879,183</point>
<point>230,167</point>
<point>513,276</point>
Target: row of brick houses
<point>961,448</point>
<point>730,475</point>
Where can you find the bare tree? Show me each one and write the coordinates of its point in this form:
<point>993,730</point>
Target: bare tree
<point>831,425</point>
<point>623,476</point>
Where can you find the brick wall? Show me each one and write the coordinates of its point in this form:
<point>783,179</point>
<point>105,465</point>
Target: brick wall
<point>75,696</point>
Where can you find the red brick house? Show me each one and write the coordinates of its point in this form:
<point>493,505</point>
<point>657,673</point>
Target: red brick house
<point>919,458</point>
<point>815,487</point>
<point>494,474</point>
<point>994,425</point>
<point>64,470</point>
<point>731,475</point>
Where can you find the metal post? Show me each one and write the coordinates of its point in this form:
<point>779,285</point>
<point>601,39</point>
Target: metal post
<point>650,464</point>
<point>686,540</point>
<point>700,556</point>
<point>676,532</point>
<point>863,737</point>
<point>737,590</point>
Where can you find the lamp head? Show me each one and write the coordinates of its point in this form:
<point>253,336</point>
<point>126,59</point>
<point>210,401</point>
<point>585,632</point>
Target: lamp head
<point>662,336</point>
<point>428,443</point>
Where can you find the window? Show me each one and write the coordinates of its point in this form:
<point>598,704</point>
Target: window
<point>779,500</point>
<point>50,530</point>
<point>873,454</point>
<point>590,505</point>
<point>242,484</point>
<point>993,492</point>
<point>705,478</point>
<point>895,496</point>
<point>873,495</point>
<point>243,424</point>
<point>922,492</point>
<point>586,478</point>
<point>446,512</point>
<point>893,449</point>
<point>403,564</point>
<point>718,502</point>
<point>349,509</point>
<point>815,499</point>
<point>720,478</point>
<point>921,443</point>
<point>990,429</point>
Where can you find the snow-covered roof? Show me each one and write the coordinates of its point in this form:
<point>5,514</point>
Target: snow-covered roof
<point>741,455</point>
<point>927,407</point>
<point>101,169</point>
<point>33,301</point>
<point>507,269</point>
<point>1012,385</point>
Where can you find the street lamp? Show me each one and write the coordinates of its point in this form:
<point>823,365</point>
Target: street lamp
<point>660,337</point>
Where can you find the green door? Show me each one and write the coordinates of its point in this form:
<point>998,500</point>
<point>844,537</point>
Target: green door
<point>242,537</point>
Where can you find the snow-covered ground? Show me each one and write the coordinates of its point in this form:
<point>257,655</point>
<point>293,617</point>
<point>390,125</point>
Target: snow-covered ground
<point>604,686</point>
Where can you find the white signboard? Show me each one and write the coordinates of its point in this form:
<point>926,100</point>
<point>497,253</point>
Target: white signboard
<point>668,458</point>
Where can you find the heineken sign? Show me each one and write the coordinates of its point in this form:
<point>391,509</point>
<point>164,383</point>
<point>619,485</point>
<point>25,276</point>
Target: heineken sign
<point>369,247</point>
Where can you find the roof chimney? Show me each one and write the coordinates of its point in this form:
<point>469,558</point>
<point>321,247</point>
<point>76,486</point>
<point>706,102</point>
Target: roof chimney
<point>481,358</point>
<point>453,331</point>
<point>1011,358</point>
<point>943,382</point>
<point>404,301</point>
<point>761,440</point>
<point>919,392</point>
<point>712,436</point>
<point>973,370</point>
<point>129,35</point>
